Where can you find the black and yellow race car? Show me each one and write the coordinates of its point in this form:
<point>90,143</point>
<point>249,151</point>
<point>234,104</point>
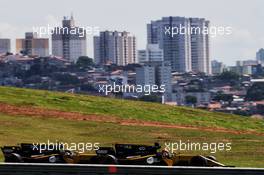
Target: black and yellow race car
<point>120,154</point>
<point>30,153</point>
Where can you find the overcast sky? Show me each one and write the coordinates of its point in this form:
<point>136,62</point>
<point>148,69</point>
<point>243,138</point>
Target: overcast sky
<point>246,17</point>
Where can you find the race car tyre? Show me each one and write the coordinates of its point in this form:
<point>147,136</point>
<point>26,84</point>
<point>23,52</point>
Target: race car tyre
<point>108,160</point>
<point>150,160</point>
<point>15,158</point>
<point>68,153</point>
<point>52,159</point>
<point>198,161</point>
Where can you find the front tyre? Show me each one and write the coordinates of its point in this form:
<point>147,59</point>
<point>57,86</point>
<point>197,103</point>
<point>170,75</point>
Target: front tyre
<point>198,161</point>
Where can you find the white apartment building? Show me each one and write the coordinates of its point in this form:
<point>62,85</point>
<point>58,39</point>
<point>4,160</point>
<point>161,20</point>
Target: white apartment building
<point>260,56</point>
<point>152,53</point>
<point>200,51</point>
<point>186,51</point>
<point>156,73</point>
<point>145,75</point>
<point>217,67</point>
<point>33,45</point>
<point>66,44</point>
<point>115,48</point>
<point>4,45</point>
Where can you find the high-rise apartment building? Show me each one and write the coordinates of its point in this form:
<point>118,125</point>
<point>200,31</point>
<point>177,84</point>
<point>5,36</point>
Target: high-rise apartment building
<point>156,73</point>
<point>217,67</point>
<point>260,56</point>
<point>184,42</point>
<point>145,75</point>
<point>199,43</point>
<point>176,49</point>
<point>150,54</point>
<point>246,67</point>
<point>69,41</point>
<point>115,48</point>
<point>32,45</point>
<point>4,45</point>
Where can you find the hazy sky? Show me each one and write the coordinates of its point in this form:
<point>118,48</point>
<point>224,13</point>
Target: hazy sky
<point>246,17</point>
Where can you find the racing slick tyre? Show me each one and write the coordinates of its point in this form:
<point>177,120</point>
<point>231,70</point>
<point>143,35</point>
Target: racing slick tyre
<point>53,159</point>
<point>108,160</point>
<point>150,161</point>
<point>198,161</point>
<point>14,158</point>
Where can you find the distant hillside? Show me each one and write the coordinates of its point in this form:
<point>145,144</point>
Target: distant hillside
<point>126,109</point>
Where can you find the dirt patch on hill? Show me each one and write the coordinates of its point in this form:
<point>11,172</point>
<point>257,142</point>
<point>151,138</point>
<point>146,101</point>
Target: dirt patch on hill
<point>42,112</point>
<point>164,125</point>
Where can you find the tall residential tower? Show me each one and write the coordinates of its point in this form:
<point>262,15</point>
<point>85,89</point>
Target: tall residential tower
<point>184,42</point>
<point>69,41</point>
<point>4,45</point>
<point>260,56</point>
<point>32,45</point>
<point>115,47</point>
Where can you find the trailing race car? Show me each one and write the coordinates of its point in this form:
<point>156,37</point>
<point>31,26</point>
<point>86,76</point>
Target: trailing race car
<point>121,154</point>
<point>31,153</point>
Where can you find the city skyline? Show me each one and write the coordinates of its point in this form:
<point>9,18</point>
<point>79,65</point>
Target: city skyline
<point>244,42</point>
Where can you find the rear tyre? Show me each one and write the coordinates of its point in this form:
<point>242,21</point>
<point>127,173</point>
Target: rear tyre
<point>52,159</point>
<point>108,160</point>
<point>14,158</point>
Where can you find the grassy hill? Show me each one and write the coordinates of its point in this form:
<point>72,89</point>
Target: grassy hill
<point>247,141</point>
<point>127,109</point>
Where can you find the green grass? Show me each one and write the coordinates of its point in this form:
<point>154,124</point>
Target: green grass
<point>247,149</point>
<point>128,109</point>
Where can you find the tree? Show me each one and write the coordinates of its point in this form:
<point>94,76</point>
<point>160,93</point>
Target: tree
<point>190,99</point>
<point>150,98</point>
<point>228,76</point>
<point>223,97</point>
<point>66,79</point>
<point>256,92</point>
<point>88,87</point>
<point>84,61</point>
